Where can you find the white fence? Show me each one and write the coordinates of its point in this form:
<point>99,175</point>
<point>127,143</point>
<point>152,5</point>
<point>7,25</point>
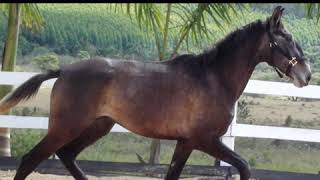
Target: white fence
<point>235,129</point>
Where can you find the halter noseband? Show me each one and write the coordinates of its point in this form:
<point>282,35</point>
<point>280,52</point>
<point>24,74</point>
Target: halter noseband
<point>292,60</point>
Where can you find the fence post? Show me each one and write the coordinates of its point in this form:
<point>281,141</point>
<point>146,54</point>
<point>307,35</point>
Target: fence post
<point>228,139</point>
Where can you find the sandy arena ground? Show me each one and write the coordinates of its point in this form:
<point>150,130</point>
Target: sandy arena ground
<point>8,175</point>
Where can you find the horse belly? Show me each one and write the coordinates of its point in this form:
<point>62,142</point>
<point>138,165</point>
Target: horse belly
<point>150,126</point>
<point>147,119</point>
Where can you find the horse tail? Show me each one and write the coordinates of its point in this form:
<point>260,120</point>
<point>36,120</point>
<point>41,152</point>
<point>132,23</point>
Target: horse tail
<point>26,90</point>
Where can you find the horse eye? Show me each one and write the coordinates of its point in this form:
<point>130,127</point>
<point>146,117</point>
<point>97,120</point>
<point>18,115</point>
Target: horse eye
<point>290,38</point>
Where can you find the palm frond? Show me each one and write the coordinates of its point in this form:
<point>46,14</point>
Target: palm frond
<point>313,10</point>
<point>30,13</point>
<point>191,20</point>
<point>4,6</point>
<point>196,17</point>
<point>145,13</point>
<point>32,17</point>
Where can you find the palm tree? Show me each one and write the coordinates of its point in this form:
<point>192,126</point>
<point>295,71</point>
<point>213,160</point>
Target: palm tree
<point>29,15</point>
<point>313,10</point>
<point>184,22</point>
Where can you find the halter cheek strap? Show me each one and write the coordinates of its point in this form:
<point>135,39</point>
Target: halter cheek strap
<point>292,60</point>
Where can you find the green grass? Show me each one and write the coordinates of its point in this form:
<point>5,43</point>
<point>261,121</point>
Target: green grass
<point>286,156</point>
<point>117,147</point>
<point>121,147</point>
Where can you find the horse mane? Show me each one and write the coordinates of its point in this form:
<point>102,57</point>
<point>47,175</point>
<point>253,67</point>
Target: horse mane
<point>225,46</point>
<point>232,42</point>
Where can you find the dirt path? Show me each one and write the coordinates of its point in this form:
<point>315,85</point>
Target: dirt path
<point>8,175</point>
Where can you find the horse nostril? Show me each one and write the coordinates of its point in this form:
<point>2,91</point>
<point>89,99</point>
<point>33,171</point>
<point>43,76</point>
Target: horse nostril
<point>308,77</point>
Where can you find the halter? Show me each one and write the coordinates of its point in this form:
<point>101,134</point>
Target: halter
<point>292,60</point>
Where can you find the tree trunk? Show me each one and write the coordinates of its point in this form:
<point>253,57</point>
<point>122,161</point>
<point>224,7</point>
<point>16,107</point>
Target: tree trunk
<point>8,63</point>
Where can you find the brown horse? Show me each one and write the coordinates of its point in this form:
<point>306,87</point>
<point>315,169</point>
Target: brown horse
<point>189,98</point>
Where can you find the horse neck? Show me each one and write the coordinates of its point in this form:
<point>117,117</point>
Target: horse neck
<point>235,69</point>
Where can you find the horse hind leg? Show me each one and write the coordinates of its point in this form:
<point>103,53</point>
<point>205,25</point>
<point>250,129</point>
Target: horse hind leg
<point>69,152</point>
<point>48,145</point>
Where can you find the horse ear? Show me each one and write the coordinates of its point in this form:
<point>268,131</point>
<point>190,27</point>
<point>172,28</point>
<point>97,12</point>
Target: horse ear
<point>276,17</point>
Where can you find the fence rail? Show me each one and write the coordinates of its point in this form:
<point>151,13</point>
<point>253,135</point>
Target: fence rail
<point>235,129</point>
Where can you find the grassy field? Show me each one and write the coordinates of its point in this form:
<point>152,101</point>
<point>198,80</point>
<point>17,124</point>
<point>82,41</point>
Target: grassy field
<point>274,111</point>
<point>261,153</point>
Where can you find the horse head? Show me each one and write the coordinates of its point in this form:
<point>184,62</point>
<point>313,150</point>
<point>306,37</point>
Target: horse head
<point>284,53</point>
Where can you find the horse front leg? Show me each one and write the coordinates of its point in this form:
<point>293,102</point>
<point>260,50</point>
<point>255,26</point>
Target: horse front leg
<point>217,149</point>
<point>179,159</point>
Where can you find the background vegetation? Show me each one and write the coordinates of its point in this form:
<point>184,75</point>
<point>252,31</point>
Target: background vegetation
<point>94,29</point>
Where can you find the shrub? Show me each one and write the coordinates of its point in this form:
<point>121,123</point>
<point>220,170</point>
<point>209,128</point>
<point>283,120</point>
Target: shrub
<point>83,54</point>
<point>46,62</point>
<point>252,162</point>
<point>288,121</point>
<point>243,110</point>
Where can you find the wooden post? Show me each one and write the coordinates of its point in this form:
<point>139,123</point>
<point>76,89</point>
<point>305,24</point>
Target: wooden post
<point>8,63</point>
<point>155,152</point>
